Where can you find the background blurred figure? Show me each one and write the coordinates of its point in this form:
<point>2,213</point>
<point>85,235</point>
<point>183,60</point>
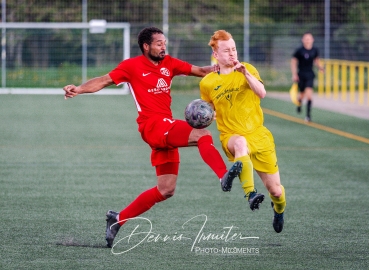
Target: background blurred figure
<point>302,71</point>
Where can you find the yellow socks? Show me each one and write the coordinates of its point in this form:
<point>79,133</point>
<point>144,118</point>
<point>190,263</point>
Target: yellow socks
<point>247,174</point>
<point>247,183</point>
<point>279,203</point>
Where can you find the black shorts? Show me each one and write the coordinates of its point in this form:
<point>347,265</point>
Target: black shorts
<point>306,80</point>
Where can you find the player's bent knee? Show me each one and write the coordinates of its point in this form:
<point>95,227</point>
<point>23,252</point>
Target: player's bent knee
<point>276,192</point>
<point>197,134</point>
<point>240,143</point>
<point>167,194</point>
<point>167,178</point>
<point>204,132</point>
<point>166,191</point>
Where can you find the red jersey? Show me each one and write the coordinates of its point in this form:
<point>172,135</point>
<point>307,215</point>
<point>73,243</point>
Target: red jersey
<point>149,83</point>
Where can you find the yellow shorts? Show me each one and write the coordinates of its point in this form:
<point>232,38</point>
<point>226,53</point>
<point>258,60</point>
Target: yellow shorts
<point>262,150</point>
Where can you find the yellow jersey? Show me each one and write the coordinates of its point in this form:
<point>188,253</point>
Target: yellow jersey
<point>237,107</point>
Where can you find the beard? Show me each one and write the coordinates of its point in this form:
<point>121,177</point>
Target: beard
<point>158,57</point>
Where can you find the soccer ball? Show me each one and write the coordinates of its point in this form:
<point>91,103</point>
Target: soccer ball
<point>199,114</point>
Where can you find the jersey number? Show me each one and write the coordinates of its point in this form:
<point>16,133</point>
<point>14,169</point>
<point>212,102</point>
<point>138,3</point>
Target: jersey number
<point>169,120</point>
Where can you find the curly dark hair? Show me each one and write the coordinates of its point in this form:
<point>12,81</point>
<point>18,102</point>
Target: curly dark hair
<point>145,36</point>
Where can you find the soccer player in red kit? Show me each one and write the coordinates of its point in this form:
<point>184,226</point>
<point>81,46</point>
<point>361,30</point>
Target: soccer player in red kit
<point>149,77</point>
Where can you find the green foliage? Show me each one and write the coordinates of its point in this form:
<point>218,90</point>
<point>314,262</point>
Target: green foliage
<point>191,23</point>
<point>307,11</point>
<point>205,11</point>
<point>43,11</point>
<point>358,12</point>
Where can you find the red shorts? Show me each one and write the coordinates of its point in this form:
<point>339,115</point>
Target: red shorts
<point>155,132</point>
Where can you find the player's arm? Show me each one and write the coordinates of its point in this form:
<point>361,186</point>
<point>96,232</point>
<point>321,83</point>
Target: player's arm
<point>256,85</point>
<point>203,71</point>
<point>294,62</point>
<point>91,86</point>
<point>318,64</point>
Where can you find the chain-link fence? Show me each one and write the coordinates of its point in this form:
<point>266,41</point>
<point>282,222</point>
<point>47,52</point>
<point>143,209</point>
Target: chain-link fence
<point>266,33</point>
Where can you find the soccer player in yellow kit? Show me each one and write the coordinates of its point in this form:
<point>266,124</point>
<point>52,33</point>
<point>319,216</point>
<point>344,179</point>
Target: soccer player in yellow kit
<point>235,92</point>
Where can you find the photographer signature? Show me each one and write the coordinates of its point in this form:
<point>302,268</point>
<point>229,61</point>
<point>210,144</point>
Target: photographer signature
<point>138,236</point>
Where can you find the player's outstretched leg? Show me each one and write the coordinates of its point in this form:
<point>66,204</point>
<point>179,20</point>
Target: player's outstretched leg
<point>112,227</point>
<point>278,220</point>
<point>254,199</point>
<point>141,204</point>
<point>227,179</point>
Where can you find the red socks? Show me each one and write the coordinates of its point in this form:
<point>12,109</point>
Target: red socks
<point>141,204</point>
<point>211,155</point>
<point>150,197</point>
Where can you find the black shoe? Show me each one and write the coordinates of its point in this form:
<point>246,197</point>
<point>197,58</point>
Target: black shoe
<point>255,199</point>
<point>228,177</point>
<point>298,109</point>
<point>277,220</point>
<point>112,227</point>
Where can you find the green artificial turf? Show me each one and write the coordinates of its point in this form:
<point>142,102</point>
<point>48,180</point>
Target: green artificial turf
<point>63,164</point>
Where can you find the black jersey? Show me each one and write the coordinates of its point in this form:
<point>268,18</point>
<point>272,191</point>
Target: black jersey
<point>306,59</point>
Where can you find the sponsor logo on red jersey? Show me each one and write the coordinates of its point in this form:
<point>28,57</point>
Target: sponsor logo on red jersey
<point>161,87</point>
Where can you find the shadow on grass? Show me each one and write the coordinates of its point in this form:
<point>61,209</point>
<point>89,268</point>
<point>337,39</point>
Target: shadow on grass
<point>71,242</point>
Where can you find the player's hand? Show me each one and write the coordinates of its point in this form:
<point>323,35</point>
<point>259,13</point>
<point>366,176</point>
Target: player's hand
<point>70,91</point>
<point>216,68</point>
<point>295,78</point>
<point>239,67</point>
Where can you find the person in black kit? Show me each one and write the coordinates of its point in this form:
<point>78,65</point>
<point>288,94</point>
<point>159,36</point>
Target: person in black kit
<point>302,63</point>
